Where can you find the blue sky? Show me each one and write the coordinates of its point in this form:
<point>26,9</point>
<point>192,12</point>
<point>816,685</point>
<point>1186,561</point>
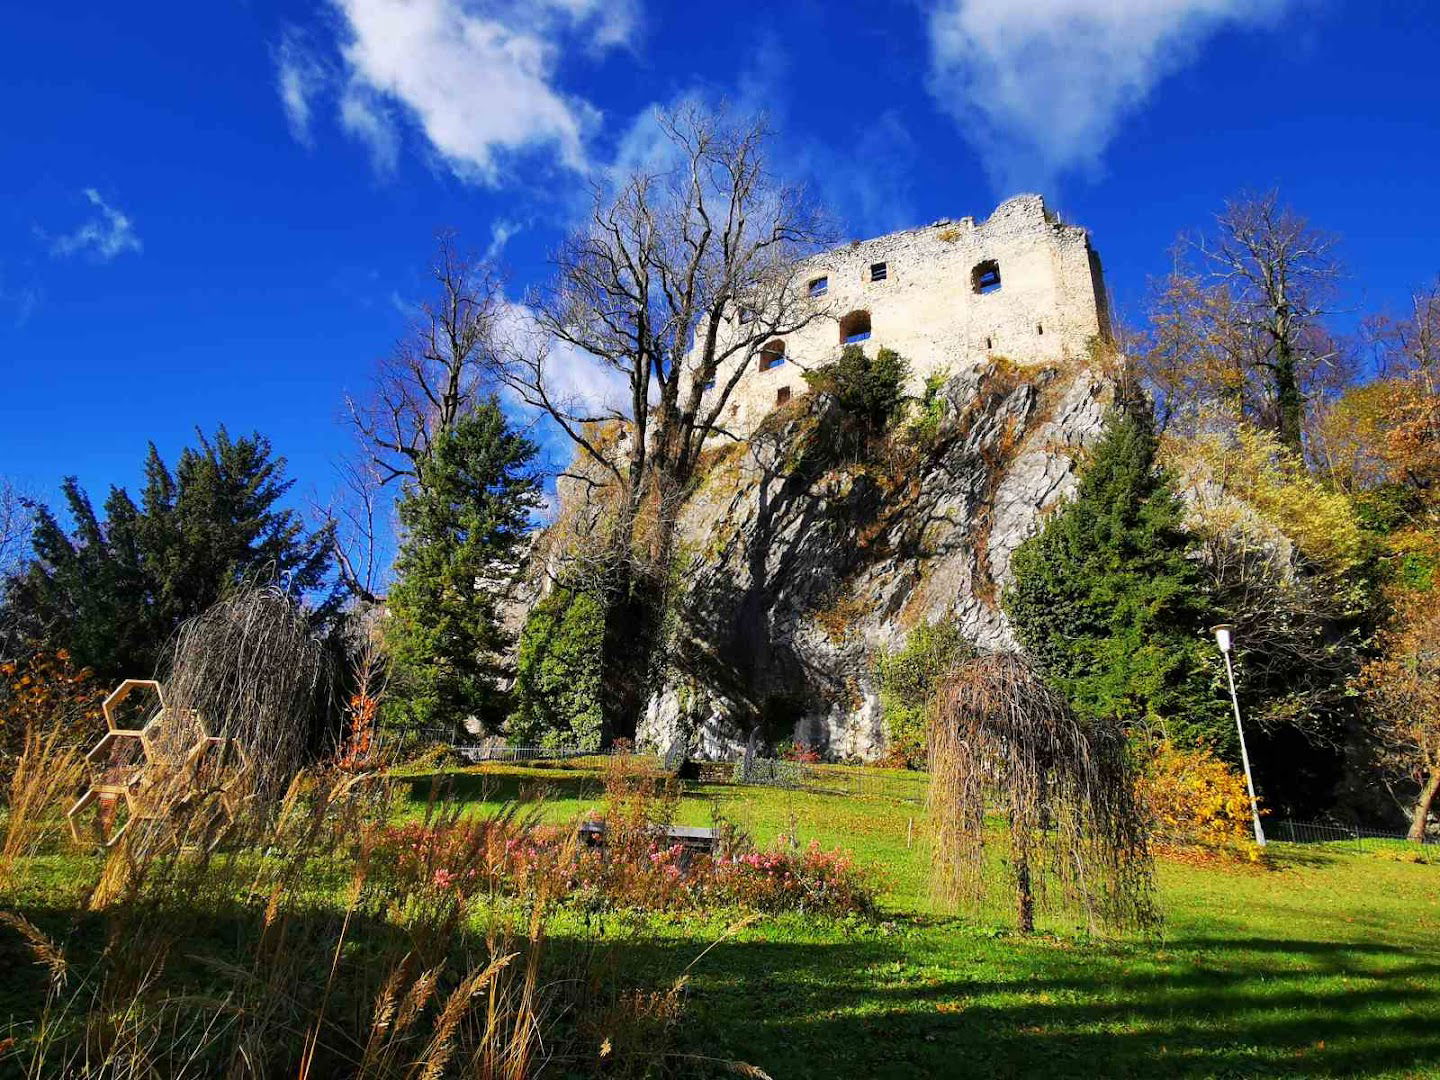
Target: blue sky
<point>218,213</point>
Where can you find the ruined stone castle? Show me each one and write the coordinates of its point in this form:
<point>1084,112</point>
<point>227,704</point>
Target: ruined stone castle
<point>795,578</point>
<point>1021,285</point>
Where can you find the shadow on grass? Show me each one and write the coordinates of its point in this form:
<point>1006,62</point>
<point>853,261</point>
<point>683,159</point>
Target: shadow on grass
<point>940,1000</point>
<point>481,787</point>
<point>1244,1007</point>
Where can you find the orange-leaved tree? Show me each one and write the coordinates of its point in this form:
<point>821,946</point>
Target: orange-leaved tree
<point>43,693</point>
<point>1402,687</point>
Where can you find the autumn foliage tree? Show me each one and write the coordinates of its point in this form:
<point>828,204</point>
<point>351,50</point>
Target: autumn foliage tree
<point>43,694</point>
<point>1402,686</point>
<point>1238,327</point>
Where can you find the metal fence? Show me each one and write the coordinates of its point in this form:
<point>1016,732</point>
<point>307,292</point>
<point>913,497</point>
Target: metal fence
<point>481,752</point>
<point>1316,832</point>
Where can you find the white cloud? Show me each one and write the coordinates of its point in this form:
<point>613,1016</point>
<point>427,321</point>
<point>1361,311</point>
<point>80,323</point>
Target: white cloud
<point>300,78</point>
<point>20,301</point>
<point>575,380</point>
<point>502,231</point>
<point>108,234</point>
<point>363,115</point>
<point>1042,86</point>
<point>477,78</point>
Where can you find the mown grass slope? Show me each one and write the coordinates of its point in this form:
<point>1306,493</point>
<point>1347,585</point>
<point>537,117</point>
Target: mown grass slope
<point>1325,962</point>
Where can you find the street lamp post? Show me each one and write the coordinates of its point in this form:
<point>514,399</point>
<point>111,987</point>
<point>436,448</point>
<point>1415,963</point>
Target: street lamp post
<point>1223,634</point>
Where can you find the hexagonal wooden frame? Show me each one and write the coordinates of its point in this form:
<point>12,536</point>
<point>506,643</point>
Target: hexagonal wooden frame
<point>151,737</point>
<point>147,784</point>
<point>92,795</point>
<point>111,738</point>
<point>124,690</point>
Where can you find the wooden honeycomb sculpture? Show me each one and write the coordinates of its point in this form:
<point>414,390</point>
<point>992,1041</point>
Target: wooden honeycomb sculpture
<point>158,769</point>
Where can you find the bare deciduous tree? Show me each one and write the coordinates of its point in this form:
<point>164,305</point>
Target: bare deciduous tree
<point>672,287</point>
<point>16,519</point>
<point>359,521</point>
<point>444,366</point>
<point>1239,323</point>
<point>674,284</point>
<point>1001,737</point>
<point>439,371</point>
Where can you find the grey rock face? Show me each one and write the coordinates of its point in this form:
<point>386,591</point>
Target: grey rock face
<point>796,576</point>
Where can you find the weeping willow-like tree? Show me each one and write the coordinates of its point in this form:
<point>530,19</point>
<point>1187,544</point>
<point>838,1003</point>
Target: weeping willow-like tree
<point>1005,741</point>
<point>252,670</point>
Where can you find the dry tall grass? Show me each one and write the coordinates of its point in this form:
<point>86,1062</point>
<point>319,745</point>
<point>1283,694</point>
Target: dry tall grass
<point>280,946</point>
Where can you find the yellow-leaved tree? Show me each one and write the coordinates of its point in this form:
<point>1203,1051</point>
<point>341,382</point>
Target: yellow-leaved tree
<point>1402,687</point>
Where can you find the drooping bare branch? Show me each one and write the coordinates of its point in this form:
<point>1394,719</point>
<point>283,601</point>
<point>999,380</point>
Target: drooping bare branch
<point>1001,737</point>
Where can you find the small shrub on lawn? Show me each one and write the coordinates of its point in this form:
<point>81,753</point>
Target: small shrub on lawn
<point>798,751</point>
<point>1196,802</point>
<point>909,679</point>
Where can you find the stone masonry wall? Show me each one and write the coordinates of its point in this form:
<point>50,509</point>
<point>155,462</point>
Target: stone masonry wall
<point>1050,304</point>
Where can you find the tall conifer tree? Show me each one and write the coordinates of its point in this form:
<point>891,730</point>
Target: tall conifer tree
<point>113,588</point>
<point>464,516</point>
<point>1107,599</point>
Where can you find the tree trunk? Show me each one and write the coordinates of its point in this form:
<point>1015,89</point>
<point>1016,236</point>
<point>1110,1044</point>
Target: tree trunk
<point>1025,896</point>
<point>1289,402</point>
<point>1428,791</point>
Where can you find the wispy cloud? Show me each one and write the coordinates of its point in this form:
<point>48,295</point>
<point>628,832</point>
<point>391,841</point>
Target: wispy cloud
<point>476,78</point>
<point>1041,87</point>
<point>363,114</point>
<point>502,230</point>
<point>300,77</point>
<point>108,234</point>
<point>18,301</point>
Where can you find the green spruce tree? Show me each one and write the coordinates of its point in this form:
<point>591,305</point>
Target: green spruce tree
<point>111,590</point>
<point>464,518</point>
<point>559,673</point>
<point>1107,599</point>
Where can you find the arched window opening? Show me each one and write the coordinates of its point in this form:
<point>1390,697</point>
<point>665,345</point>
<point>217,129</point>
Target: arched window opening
<point>772,354</point>
<point>985,278</point>
<point>855,328</point>
<point>1039,329</point>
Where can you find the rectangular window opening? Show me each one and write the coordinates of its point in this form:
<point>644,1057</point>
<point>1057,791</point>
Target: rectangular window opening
<point>820,286</point>
<point>878,271</point>
<point>782,396</point>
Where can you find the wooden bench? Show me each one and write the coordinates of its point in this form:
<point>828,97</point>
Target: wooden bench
<point>692,838</point>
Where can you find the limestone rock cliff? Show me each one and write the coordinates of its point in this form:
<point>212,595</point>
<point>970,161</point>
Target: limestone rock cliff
<point>794,576</point>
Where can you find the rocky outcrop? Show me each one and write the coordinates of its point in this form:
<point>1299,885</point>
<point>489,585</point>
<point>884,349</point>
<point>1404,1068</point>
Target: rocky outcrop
<point>796,575</point>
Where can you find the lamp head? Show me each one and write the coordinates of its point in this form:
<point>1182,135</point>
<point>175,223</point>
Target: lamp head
<point>1223,635</point>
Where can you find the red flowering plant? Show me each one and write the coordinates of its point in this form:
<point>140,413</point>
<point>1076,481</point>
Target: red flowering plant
<point>633,863</point>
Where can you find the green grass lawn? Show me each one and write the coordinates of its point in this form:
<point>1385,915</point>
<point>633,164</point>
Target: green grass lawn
<point>1325,963</point>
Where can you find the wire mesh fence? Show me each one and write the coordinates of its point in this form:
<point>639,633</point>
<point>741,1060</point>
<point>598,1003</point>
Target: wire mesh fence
<point>482,752</point>
<point>1318,832</point>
